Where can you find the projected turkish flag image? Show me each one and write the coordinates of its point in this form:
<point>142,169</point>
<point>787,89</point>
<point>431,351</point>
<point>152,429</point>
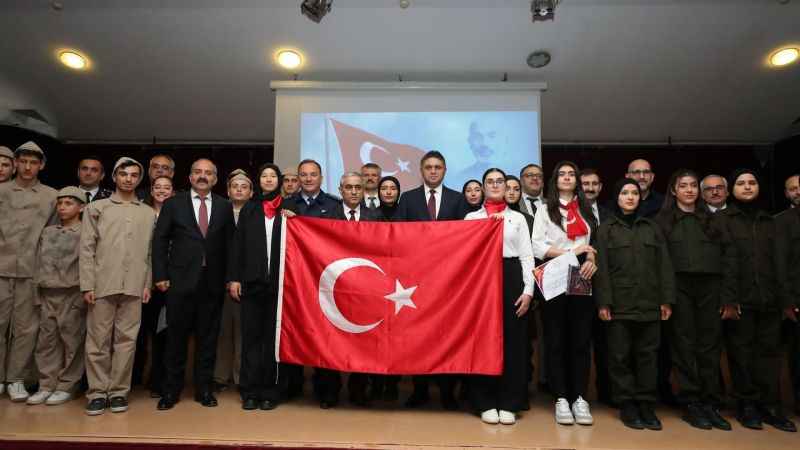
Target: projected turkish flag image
<point>392,298</point>
<point>359,147</point>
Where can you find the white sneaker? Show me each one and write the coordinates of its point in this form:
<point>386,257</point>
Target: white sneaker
<point>507,417</point>
<point>17,392</point>
<point>39,397</point>
<point>580,409</point>
<point>490,416</point>
<point>563,414</point>
<point>58,398</point>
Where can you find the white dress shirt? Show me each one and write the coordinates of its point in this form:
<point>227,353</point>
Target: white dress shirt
<point>516,242</point>
<point>368,199</point>
<point>196,204</point>
<point>548,235</point>
<point>438,191</point>
<point>93,192</point>
<point>596,212</point>
<point>347,210</point>
<point>526,204</point>
<point>268,223</point>
<point>714,209</point>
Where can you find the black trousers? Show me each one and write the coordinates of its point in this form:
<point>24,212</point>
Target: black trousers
<point>446,383</point>
<point>600,352</point>
<point>567,337</point>
<point>327,384</point>
<point>508,391</point>
<point>696,338</point>
<point>259,375</point>
<point>199,313</point>
<point>793,347</point>
<point>633,359</point>
<point>753,344</point>
<point>148,334</point>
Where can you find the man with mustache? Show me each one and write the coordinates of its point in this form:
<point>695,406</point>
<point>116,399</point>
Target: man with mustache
<point>190,242</point>
<point>788,225</point>
<point>641,171</point>
<point>715,192</point>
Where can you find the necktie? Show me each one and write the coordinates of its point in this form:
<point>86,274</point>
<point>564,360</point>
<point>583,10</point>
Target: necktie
<point>533,205</point>
<point>352,215</point>
<point>203,219</point>
<point>372,203</point>
<point>88,196</point>
<point>432,204</point>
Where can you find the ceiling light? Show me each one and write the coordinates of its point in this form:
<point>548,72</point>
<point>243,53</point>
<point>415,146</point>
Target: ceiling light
<point>289,59</point>
<point>784,56</point>
<point>538,59</point>
<point>73,60</point>
<point>315,9</point>
<point>543,9</point>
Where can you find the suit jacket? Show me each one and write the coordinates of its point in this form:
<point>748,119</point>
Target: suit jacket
<point>322,206</point>
<point>179,247</point>
<point>414,207</point>
<point>101,194</point>
<point>365,215</point>
<point>525,206</point>
<point>248,259</point>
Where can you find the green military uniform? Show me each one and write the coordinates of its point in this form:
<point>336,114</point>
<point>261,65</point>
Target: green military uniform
<point>634,278</point>
<point>788,224</point>
<point>704,259</point>
<point>753,342</point>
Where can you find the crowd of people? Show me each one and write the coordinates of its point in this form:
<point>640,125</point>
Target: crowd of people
<point>93,280</point>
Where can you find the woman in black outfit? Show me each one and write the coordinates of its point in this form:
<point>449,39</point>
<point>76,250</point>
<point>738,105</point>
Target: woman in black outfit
<point>473,193</point>
<point>253,275</point>
<point>389,194</point>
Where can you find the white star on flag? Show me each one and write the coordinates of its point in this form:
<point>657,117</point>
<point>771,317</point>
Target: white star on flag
<point>401,297</point>
<point>402,165</point>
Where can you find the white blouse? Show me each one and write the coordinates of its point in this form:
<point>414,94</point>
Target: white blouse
<point>268,225</point>
<point>516,242</point>
<point>548,235</point>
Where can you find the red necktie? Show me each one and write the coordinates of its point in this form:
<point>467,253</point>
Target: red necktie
<point>432,204</point>
<point>203,219</point>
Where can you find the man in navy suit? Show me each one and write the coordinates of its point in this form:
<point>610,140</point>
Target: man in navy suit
<point>432,201</point>
<point>190,242</point>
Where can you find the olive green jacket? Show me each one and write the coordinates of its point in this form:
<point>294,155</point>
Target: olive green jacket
<point>788,228</point>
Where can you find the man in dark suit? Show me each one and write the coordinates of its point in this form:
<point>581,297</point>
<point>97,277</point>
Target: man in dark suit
<point>432,201</point>
<point>351,208</point>
<point>592,186</point>
<point>90,174</point>
<point>190,243</point>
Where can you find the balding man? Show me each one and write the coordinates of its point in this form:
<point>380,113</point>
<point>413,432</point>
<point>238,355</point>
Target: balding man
<point>651,201</point>
<point>714,189</point>
<point>193,232</point>
<point>161,165</point>
<point>788,224</point>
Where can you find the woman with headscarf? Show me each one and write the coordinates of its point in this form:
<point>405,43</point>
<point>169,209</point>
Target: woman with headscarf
<point>704,261</point>
<point>253,275</point>
<point>498,398</point>
<point>388,194</point>
<point>565,226</point>
<point>635,288</point>
<point>753,318</point>
<point>473,194</point>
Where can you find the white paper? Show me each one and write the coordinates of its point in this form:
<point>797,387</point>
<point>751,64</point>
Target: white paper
<point>556,275</point>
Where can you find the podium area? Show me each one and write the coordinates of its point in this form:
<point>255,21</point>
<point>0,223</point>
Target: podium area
<point>302,424</point>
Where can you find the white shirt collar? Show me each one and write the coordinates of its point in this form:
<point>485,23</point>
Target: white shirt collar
<point>196,195</point>
<point>347,210</point>
<point>437,189</point>
<point>91,191</point>
<point>537,199</point>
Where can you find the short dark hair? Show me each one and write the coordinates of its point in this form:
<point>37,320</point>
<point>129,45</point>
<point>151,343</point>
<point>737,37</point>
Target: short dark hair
<point>93,158</point>
<point>370,165</point>
<point>433,154</point>
<point>588,171</point>
<point>307,161</point>
<point>528,166</point>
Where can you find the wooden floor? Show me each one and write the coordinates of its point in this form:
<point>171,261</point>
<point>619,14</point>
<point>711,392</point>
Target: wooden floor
<point>303,424</point>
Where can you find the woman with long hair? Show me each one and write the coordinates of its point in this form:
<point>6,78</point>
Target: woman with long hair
<point>635,289</point>
<point>704,261</point>
<point>514,196</point>
<point>473,193</point>
<point>566,225</point>
<point>498,398</point>
<point>253,275</point>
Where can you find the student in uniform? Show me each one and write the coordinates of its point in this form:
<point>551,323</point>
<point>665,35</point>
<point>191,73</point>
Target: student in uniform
<point>753,317</point>
<point>6,164</point>
<point>28,206</point>
<point>705,262</point>
<point>115,278</point>
<point>566,224</point>
<point>635,288</point>
<point>473,194</point>
<point>253,282</point>
<point>62,330</point>
<point>499,398</point>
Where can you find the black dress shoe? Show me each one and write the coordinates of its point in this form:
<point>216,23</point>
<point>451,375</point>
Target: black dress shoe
<point>696,417</point>
<point>716,419</point>
<point>417,400</point>
<point>167,402</point>
<point>629,414</point>
<point>250,404</point>
<point>390,393</point>
<point>450,403</point>
<point>775,417</point>
<point>749,416</point>
<point>206,399</point>
<point>649,418</point>
<point>268,405</point>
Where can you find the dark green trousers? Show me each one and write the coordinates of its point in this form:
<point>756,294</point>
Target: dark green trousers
<point>753,344</point>
<point>696,338</point>
<point>633,359</point>
<point>793,331</point>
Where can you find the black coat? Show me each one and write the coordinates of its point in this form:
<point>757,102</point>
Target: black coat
<point>248,254</point>
<point>414,207</point>
<point>179,247</point>
<point>365,215</point>
<point>322,206</point>
<point>788,223</point>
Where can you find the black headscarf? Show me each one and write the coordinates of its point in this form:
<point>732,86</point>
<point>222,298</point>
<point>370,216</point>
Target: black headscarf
<point>386,209</point>
<point>260,194</point>
<point>750,208</point>
<point>464,192</point>
<point>627,218</point>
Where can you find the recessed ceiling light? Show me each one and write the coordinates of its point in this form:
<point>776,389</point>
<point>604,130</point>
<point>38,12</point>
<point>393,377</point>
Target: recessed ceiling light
<point>73,60</point>
<point>289,59</point>
<point>784,56</point>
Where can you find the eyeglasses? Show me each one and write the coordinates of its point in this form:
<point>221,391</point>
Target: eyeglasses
<point>721,187</point>
<point>533,176</point>
<point>495,182</point>
<point>640,172</point>
<point>160,166</point>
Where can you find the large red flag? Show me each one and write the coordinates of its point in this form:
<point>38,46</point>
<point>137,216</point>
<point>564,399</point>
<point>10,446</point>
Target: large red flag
<point>360,147</point>
<point>392,298</point>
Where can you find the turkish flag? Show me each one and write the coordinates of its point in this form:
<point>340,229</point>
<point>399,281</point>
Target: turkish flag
<point>360,147</point>
<point>392,298</point>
